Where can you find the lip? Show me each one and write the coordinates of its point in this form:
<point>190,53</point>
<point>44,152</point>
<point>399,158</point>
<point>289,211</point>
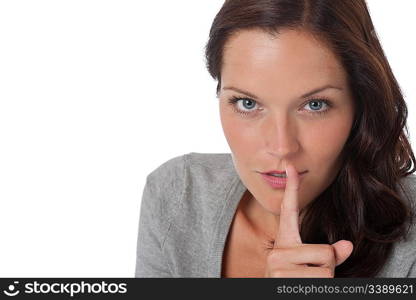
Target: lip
<point>279,183</point>
<point>274,171</point>
<point>280,172</point>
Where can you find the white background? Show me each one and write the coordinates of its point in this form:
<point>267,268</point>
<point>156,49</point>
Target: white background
<point>94,95</point>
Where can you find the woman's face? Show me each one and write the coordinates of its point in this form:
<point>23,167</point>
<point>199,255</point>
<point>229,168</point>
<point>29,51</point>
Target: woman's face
<point>282,82</point>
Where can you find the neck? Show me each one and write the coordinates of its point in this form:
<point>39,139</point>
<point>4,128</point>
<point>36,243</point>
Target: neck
<point>262,222</point>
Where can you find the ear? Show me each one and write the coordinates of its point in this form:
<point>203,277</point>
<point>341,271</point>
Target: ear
<point>343,250</point>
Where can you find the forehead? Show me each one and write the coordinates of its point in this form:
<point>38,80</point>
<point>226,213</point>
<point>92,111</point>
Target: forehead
<point>290,58</point>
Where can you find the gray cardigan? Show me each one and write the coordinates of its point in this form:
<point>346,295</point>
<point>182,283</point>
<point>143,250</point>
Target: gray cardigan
<point>187,207</point>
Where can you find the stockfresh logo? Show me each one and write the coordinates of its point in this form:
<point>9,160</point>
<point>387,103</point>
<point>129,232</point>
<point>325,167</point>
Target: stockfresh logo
<point>12,289</point>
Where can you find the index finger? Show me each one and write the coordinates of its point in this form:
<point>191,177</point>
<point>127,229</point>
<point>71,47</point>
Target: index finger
<point>288,232</point>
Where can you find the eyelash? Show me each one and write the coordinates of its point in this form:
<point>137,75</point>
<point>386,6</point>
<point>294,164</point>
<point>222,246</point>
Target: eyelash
<point>232,101</point>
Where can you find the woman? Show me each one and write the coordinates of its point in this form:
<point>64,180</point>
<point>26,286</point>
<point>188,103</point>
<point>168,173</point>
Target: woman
<point>319,181</point>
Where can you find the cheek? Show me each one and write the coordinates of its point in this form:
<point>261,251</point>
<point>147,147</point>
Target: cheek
<point>240,135</point>
<point>324,143</point>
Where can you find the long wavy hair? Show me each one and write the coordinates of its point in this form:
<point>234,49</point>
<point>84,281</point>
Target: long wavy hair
<point>363,203</point>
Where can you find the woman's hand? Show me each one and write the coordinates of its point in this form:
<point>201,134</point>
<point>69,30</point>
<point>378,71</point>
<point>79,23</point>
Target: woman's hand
<point>290,257</point>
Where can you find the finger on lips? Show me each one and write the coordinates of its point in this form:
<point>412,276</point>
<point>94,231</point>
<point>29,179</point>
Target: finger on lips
<point>290,257</point>
<point>288,232</point>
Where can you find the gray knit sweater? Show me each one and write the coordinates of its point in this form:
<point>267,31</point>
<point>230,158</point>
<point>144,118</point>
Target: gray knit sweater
<point>187,207</point>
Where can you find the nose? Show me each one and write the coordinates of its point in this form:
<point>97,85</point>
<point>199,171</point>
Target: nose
<point>281,136</point>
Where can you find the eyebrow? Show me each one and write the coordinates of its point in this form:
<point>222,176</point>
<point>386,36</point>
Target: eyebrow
<point>308,94</point>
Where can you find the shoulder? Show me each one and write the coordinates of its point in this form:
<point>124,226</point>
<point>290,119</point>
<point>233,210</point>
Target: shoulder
<point>403,255</point>
<point>408,187</point>
<point>161,188</point>
<point>190,200</point>
<point>192,181</point>
<point>408,193</point>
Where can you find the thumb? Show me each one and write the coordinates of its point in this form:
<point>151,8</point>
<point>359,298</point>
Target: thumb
<point>343,250</point>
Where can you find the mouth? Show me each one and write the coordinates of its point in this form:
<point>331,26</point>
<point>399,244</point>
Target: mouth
<point>278,181</point>
<point>279,174</point>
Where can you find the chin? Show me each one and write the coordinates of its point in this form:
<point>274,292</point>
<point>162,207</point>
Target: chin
<point>272,205</point>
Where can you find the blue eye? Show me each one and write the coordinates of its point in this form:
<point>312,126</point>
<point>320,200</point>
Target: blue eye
<point>246,102</point>
<point>248,105</point>
<point>316,105</point>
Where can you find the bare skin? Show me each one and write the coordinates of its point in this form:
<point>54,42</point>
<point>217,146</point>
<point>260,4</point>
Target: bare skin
<point>281,128</point>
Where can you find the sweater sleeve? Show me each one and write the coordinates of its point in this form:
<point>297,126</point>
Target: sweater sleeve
<point>150,261</point>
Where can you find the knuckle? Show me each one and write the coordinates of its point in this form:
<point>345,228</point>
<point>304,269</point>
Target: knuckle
<point>328,252</point>
<point>288,209</point>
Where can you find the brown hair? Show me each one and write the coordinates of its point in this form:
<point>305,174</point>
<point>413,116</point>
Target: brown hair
<point>363,203</point>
